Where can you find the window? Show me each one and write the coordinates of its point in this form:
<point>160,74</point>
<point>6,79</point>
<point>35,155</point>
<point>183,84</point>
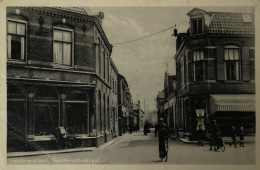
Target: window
<point>16,40</point>
<point>62,47</point>
<point>198,57</point>
<point>99,56</point>
<point>77,110</point>
<point>107,67</point>
<point>104,62</point>
<point>197,26</point>
<point>46,116</point>
<point>231,61</point>
<point>113,84</point>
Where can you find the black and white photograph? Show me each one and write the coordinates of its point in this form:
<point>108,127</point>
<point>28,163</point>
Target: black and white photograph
<point>129,85</point>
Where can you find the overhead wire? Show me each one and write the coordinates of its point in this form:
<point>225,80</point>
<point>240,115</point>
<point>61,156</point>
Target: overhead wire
<point>143,37</point>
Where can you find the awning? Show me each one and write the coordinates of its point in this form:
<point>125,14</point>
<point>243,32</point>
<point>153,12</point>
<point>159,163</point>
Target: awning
<point>21,81</point>
<point>232,102</point>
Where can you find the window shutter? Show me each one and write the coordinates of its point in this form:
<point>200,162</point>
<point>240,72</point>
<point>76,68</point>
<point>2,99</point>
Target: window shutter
<point>220,63</point>
<point>190,67</point>
<point>245,64</point>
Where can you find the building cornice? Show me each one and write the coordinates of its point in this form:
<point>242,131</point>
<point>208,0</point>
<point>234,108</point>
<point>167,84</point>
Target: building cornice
<point>70,15</point>
<point>191,37</point>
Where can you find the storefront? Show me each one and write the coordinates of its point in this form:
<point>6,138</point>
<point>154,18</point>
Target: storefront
<point>36,108</point>
<point>233,110</point>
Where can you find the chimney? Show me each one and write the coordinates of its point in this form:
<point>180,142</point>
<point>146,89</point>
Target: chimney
<point>100,17</point>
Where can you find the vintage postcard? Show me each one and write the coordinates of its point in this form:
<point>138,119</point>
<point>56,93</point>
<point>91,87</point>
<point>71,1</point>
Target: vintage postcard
<point>149,84</point>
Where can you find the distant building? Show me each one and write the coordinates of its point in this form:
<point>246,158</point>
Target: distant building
<point>125,105</point>
<point>166,101</point>
<point>169,105</point>
<point>215,71</point>
<point>59,73</point>
<point>159,105</point>
<point>140,115</point>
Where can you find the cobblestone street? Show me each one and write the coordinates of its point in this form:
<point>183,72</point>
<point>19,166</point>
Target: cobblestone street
<point>140,149</point>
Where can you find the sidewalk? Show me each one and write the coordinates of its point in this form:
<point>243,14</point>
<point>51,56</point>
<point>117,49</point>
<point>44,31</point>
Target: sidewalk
<point>86,149</point>
<point>248,139</point>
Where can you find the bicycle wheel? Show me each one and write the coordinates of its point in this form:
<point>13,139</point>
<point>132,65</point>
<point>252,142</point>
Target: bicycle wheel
<point>62,143</point>
<point>78,142</point>
<point>166,151</point>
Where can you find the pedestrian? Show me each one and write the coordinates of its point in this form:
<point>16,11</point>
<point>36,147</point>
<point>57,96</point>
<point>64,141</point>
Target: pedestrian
<point>233,136</point>
<point>200,133</point>
<point>241,136</point>
<point>163,134</point>
<point>215,132</point>
<point>146,128</point>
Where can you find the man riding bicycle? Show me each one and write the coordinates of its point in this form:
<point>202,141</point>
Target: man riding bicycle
<point>162,130</point>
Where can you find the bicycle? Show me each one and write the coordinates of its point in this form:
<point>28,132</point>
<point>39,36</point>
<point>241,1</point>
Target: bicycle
<point>65,139</point>
<point>164,151</point>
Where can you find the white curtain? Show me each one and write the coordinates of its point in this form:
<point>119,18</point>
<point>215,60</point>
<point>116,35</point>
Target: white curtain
<point>236,54</point>
<point>57,35</point>
<point>9,39</point>
<point>57,53</point>
<point>66,54</point>
<point>66,36</point>
<point>12,27</point>
<point>20,29</point>
<point>226,54</point>
<point>22,48</point>
<point>231,54</point>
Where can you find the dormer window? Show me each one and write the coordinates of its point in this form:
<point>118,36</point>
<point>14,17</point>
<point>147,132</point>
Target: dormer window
<point>197,26</point>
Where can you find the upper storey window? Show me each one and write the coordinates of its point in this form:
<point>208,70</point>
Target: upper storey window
<point>231,61</point>
<point>16,40</point>
<point>62,47</point>
<point>197,26</point>
<point>198,65</point>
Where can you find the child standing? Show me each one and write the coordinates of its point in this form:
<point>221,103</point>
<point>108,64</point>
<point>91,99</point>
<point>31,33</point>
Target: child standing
<point>233,136</point>
<point>241,136</point>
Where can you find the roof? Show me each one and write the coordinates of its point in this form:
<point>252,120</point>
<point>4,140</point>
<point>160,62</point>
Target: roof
<point>231,23</point>
<point>74,9</point>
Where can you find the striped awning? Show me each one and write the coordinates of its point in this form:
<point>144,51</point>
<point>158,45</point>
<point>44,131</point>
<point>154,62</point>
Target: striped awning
<point>21,81</point>
<point>232,102</point>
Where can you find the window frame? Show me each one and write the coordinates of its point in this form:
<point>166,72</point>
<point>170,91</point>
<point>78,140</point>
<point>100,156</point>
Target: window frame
<point>237,63</point>
<point>72,47</point>
<point>198,61</point>
<point>197,23</point>
<point>25,40</point>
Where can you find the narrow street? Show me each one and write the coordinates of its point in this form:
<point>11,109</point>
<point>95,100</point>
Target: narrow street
<point>140,149</point>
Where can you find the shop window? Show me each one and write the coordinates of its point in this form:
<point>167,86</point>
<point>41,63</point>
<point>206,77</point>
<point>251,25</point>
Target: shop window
<point>231,62</point>
<point>77,110</point>
<point>16,40</point>
<point>198,65</point>
<point>46,111</point>
<point>62,47</point>
<point>100,111</point>
<point>16,113</point>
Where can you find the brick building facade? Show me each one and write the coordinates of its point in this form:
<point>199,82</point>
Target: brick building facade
<point>215,71</point>
<point>59,73</point>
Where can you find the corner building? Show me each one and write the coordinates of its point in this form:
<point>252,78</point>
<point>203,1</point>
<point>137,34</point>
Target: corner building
<point>215,71</point>
<point>58,75</point>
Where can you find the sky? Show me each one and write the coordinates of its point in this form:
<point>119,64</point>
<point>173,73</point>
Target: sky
<point>143,63</point>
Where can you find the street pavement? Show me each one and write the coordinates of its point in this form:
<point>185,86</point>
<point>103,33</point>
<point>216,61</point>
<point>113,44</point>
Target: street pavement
<point>139,149</point>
